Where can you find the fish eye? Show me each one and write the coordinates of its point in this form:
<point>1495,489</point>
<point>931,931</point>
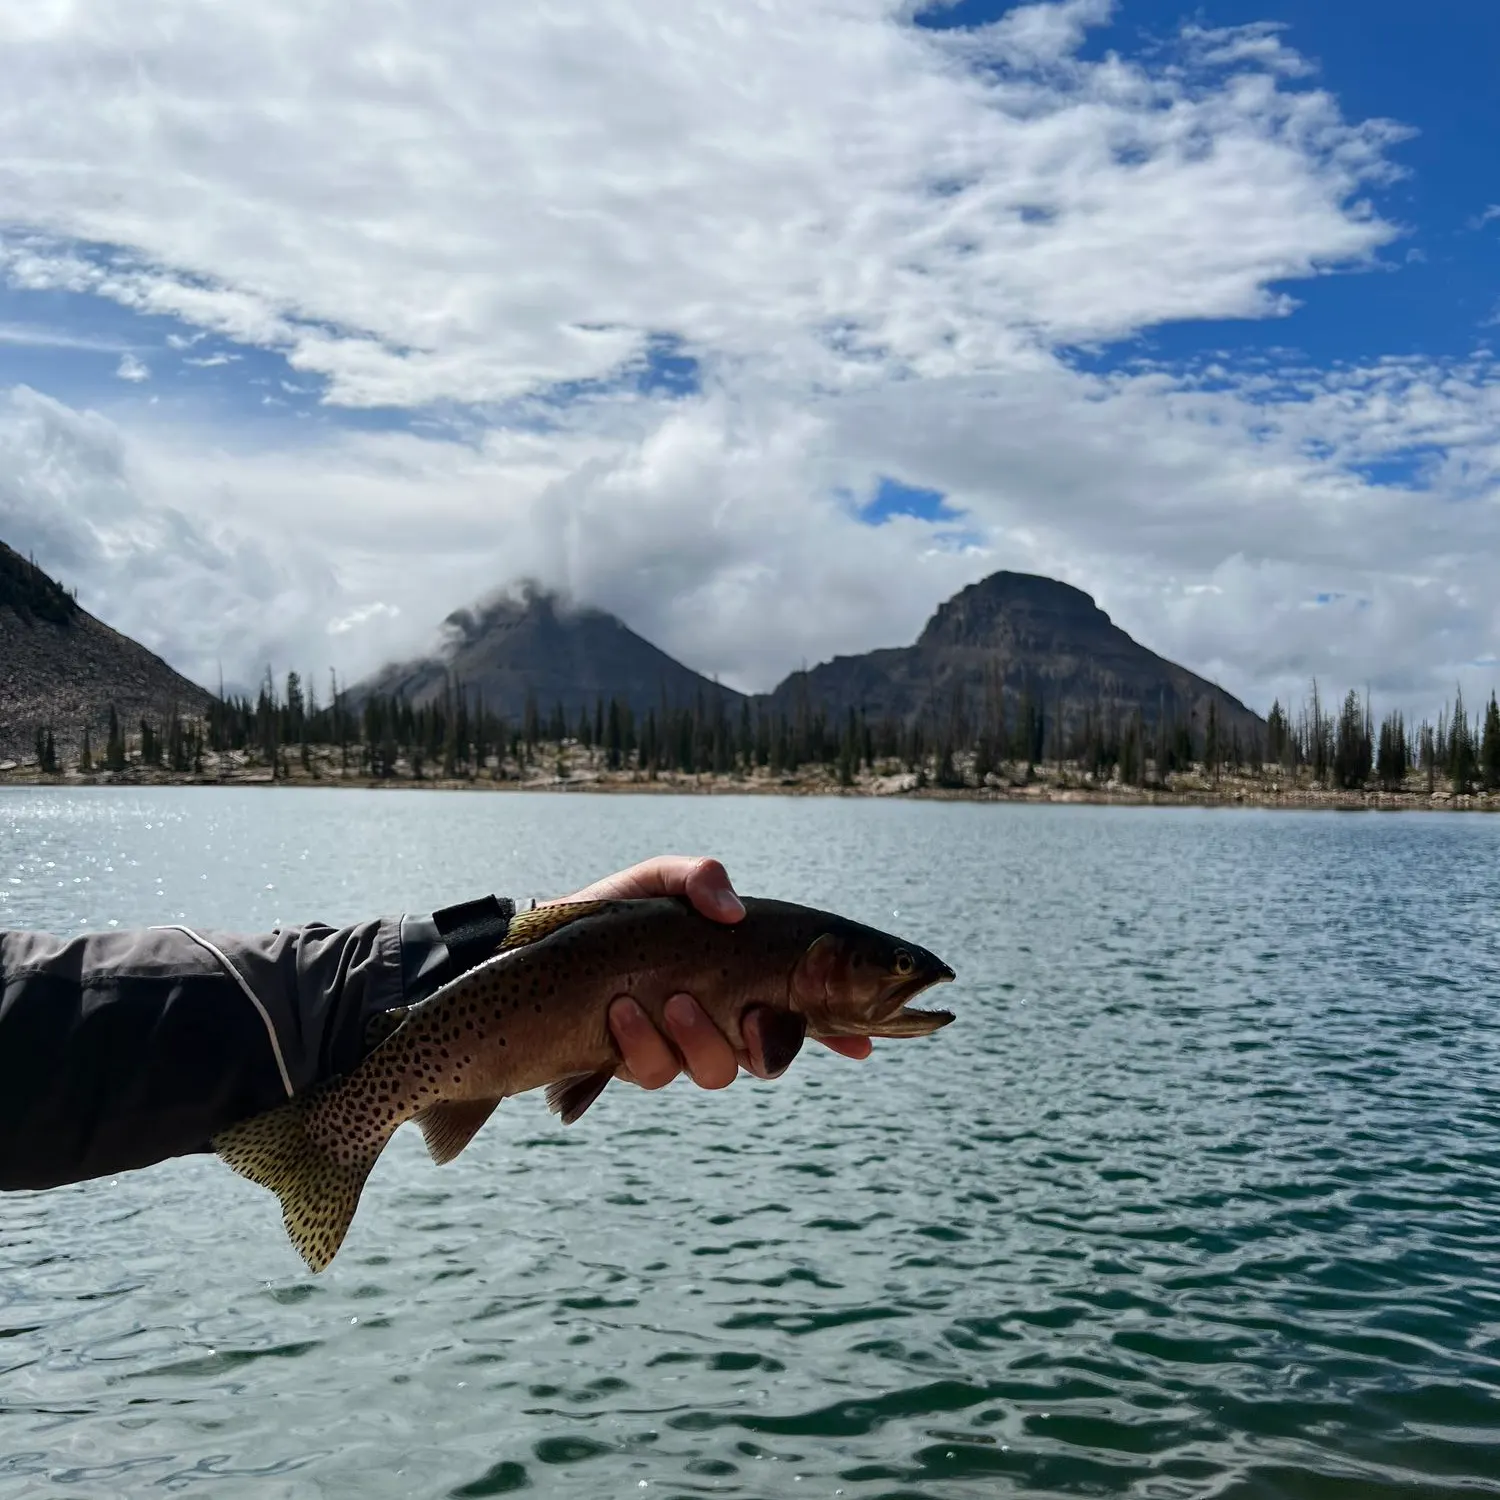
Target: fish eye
<point>904,963</point>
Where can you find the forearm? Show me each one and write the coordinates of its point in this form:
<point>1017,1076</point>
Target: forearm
<point>120,1049</point>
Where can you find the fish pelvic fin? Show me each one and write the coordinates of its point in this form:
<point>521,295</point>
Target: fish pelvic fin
<point>319,1192</point>
<point>570,1097</point>
<point>450,1126</point>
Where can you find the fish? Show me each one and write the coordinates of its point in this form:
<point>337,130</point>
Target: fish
<point>534,1015</point>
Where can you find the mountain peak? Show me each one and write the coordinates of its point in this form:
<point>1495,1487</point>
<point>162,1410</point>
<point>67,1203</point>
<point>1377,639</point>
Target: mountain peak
<point>1007,607</point>
<point>1018,637</point>
<point>527,603</point>
<point>533,643</point>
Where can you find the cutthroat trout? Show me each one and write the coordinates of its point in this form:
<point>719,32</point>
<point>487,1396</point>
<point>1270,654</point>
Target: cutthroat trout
<point>535,1015</point>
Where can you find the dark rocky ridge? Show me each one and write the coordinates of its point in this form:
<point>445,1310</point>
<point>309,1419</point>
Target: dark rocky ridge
<point>535,643</point>
<point>60,667</point>
<point>1023,632</point>
<point>1026,634</point>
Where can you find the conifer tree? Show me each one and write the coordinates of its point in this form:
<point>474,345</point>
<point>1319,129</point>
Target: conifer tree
<point>984,755</point>
<point>451,750</point>
<point>1463,762</point>
<point>295,708</point>
<point>1351,753</point>
<point>1130,752</point>
<point>1392,759</point>
<point>1489,748</point>
<point>481,736</point>
<point>847,753</point>
<point>114,745</point>
<point>46,752</point>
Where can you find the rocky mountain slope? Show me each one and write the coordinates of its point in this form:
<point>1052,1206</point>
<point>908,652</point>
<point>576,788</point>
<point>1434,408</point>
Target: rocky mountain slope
<point>1022,634</point>
<point>536,644</point>
<point>61,668</point>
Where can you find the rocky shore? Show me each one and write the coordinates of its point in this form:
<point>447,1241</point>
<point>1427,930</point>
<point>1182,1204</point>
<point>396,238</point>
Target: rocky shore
<point>574,769</point>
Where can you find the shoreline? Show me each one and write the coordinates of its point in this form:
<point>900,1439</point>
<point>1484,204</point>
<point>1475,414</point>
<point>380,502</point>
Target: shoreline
<point>1050,787</point>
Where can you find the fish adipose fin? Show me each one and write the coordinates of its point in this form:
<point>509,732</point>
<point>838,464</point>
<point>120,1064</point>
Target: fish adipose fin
<point>570,1097</point>
<point>318,1193</point>
<point>449,1127</point>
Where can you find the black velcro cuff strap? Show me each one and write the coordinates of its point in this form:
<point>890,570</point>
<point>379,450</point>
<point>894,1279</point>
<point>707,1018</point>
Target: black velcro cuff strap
<point>472,931</point>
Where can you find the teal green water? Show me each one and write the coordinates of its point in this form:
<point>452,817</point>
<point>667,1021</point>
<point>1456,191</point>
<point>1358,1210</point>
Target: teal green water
<point>1199,1196</point>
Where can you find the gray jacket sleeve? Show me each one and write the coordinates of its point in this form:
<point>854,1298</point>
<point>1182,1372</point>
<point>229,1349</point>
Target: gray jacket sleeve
<point>121,1049</point>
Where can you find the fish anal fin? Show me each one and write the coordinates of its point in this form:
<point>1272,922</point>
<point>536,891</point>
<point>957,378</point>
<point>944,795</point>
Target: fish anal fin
<point>570,1097</point>
<point>319,1192</point>
<point>528,926</point>
<point>450,1126</point>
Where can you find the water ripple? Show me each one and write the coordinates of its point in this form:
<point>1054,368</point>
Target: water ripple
<point>1200,1198</point>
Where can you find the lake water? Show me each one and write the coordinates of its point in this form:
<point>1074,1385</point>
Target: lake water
<point>1200,1195</point>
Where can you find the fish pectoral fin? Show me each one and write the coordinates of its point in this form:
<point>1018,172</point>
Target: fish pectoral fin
<point>450,1126</point>
<point>570,1097</point>
<point>318,1192</point>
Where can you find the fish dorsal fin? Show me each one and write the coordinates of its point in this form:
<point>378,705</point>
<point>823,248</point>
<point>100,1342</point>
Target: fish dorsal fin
<point>526,928</point>
<point>319,1192</point>
<point>450,1126</point>
<point>571,1096</point>
<point>530,926</point>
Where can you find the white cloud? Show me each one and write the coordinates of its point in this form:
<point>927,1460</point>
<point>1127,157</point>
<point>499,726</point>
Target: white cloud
<point>713,526</point>
<point>190,586</point>
<point>441,209</point>
<point>132,369</point>
<point>878,241</point>
<point>357,617</point>
<point>32,336</point>
<point>1259,43</point>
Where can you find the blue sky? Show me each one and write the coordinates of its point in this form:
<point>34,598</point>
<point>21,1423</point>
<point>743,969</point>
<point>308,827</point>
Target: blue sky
<point>1432,69</point>
<point>1145,298</point>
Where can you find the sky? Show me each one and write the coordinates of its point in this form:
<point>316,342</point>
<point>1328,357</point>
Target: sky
<point>767,327</point>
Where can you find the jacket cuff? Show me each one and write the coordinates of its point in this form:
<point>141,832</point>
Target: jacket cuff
<point>437,948</point>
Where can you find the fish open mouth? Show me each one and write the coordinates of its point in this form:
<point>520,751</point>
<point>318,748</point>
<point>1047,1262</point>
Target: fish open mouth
<point>904,1019</point>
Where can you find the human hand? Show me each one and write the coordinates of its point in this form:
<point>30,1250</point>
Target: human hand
<point>772,1037</point>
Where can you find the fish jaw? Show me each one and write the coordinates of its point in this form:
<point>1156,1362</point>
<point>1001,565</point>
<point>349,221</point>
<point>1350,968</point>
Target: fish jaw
<point>907,1020</point>
<point>854,981</point>
<point>910,1022</point>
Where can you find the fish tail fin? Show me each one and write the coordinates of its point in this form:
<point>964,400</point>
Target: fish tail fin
<point>319,1192</point>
